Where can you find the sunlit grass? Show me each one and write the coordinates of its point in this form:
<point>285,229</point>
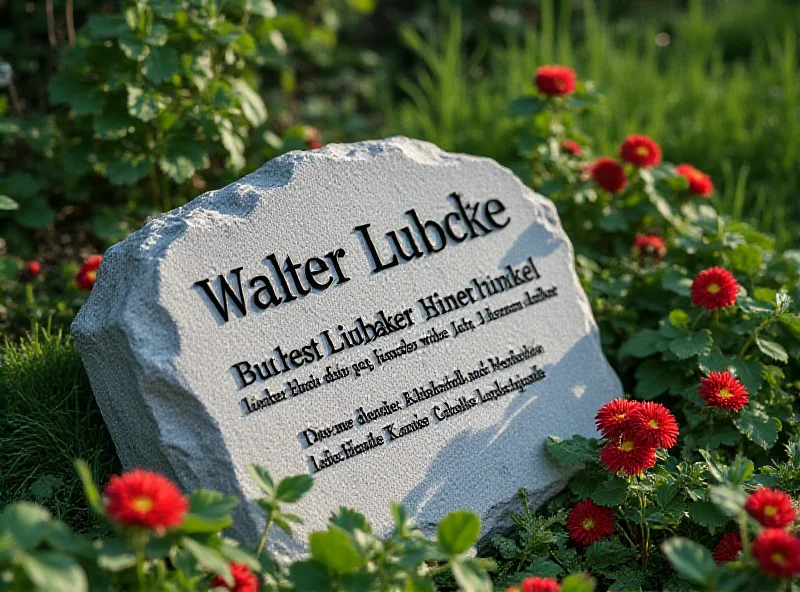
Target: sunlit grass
<point>735,116</point>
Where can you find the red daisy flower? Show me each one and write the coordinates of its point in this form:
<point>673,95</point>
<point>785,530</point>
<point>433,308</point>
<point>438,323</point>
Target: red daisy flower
<point>608,173</point>
<point>572,147</point>
<point>728,548</point>
<point>699,183</point>
<point>146,499</point>
<point>771,507</point>
<point>652,424</point>
<point>244,580</point>
<point>87,273</point>
<point>721,390</point>
<point>540,585</point>
<point>612,418</point>
<point>31,270</point>
<point>312,137</point>
<point>627,456</point>
<point>777,552</point>
<point>641,151</point>
<point>714,288</point>
<point>555,81</point>
<point>649,245</point>
<point>588,523</point>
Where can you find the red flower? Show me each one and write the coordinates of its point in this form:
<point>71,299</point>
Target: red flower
<point>652,424</point>
<point>771,507</point>
<point>540,585</point>
<point>627,456</point>
<point>146,499</point>
<point>649,245</point>
<point>312,137</point>
<point>573,147</point>
<point>721,390</point>
<point>728,549</point>
<point>88,272</point>
<point>612,418</point>
<point>714,288</point>
<point>31,270</point>
<point>777,552</point>
<point>641,151</point>
<point>244,580</point>
<point>588,523</point>
<point>555,81</point>
<point>699,183</point>
<point>608,173</point>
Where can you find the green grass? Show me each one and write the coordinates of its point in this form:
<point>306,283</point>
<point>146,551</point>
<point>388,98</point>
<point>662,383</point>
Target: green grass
<point>723,95</point>
<point>49,419</point>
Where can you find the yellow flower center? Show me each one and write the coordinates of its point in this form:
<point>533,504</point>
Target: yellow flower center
<point>619,416</point>
<point>92,275</point>
<point>778,559</point>
<point>627,446</point>
<point>770,510</point>
<point>725,394</point>
<point>588,524</point>
<point>642,151</point>
<point>142,504</point>
<point>713,288</point>
<point>653,424</point>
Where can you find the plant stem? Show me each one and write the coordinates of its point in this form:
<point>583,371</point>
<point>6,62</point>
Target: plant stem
<point>264,536</point>
<point>715,318</point>
<point>138,544</point>
<point>697,319</point>
<point>743,533</point>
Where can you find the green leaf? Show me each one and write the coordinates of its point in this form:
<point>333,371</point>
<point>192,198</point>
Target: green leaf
<point>351,520</point>
<point>654,378</point>
<point>209,511</point>
<point>114,122</point>
<point>90,490</point>
<point>362,6</point>
<point>691,560</point>
<point>127,168</point>
<point>25,524</point>
<point>335,550</point>
<point>6,203</point>
<point>292,489</point>
<point>161,64</point>
<point>106,26</point>
<point>133,46</point>
<point>707,514</point>
<point>543,567</point>
<point>458,531</point>
<point>54,572</point>
<point>746,258</point>
<point>144,105</point>
<point>689,345</point>
<point>310,575</point>
<point>614,221</point>
<point>758,427</point>
<point>115,555</point>
<point>83,98</point>
<point>772,349</point>
<point>263,8</point>
<point>253,107</point>
<point>470,575</point>
<point>676,282</point>
<point>233,143</point>
<point>525,106</point>
<point>573,452</point>
<point>611,493</point>
<point>643,344</point>
<point>263,479</point>
<point>35,213</point>
<point>730,500</point>
<point>209,558</point>
<point>182,159</point>
<point>607,553</point>
<point>579,582</point>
